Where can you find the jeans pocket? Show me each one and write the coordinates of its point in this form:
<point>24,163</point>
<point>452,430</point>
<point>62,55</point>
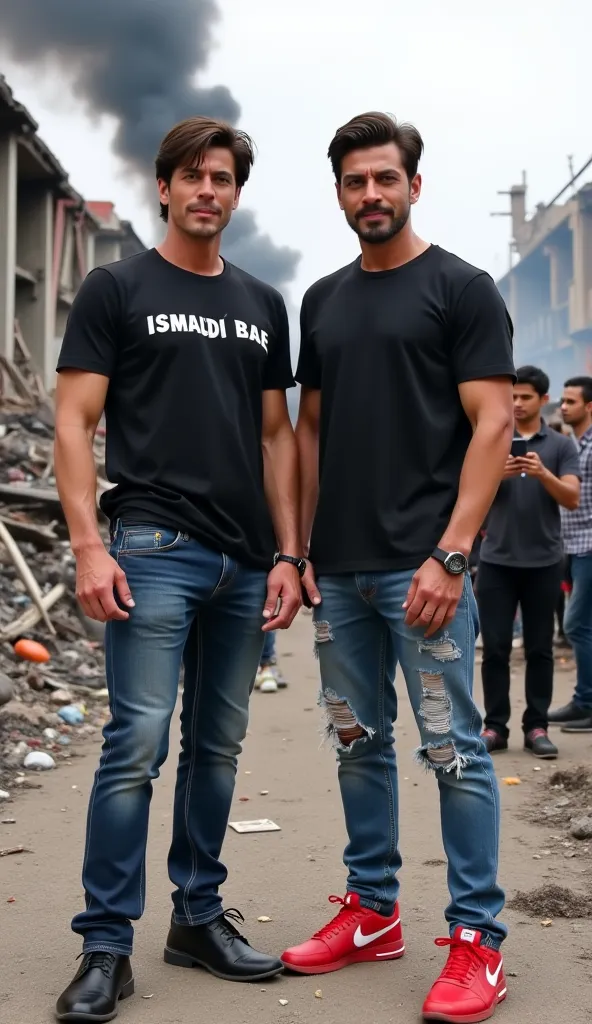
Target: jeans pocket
<point>147,540</point>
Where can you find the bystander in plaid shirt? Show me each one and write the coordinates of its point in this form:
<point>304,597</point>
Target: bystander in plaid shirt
<point>576,526</point>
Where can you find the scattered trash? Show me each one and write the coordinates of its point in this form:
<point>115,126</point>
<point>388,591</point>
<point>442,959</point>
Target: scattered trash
<point>536,768</point>
<point>260,825</point>
<point>511,781</point>
<point>319,993</point>
<point>14,849</point>
<point>151,996</point>
<point>263,920</point>
<point>243,799</point>
<point>283,1002</point>
<point>71,715</point>
<point>30,650</point>
<point>4,795</point>
<point>264,792</point>
<point>11,900</point>
<point>38,759</point>
<point>547,923</point>
<point>9,821</point>
<point>51,734</point>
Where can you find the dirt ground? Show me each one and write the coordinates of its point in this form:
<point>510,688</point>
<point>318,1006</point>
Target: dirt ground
<point>288,875</point>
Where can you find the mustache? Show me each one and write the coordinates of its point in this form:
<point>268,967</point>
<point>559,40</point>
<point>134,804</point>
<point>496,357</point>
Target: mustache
<point>374,209</point>
<point>210,207</point>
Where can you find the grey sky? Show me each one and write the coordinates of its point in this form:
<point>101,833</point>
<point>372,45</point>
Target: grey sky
<point>494,88</point>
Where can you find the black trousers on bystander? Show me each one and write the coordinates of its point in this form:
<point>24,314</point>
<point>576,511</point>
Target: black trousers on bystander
<point>500,589</point>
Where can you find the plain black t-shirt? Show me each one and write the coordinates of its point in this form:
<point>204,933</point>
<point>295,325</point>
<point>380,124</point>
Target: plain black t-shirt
<point>388,350</point>
<point>524,523</point>
<point>187,358</point>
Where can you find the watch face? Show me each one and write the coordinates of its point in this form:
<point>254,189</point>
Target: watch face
<point>456,563</point>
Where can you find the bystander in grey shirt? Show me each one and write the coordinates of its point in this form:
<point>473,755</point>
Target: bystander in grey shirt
<point>524,525</point>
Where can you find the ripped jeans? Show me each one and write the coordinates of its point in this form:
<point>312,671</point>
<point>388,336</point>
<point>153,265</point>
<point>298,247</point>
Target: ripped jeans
<point>360,637</point>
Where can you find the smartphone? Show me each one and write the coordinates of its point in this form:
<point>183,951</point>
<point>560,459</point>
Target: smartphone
<point>519,447</point>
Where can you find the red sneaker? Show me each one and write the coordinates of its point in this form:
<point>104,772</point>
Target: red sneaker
<point>471,984</point>
<point>356,935</point>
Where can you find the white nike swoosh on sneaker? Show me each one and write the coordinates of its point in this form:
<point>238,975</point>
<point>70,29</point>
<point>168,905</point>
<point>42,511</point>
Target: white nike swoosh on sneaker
<point>361,940</point>
<point>493,978</point>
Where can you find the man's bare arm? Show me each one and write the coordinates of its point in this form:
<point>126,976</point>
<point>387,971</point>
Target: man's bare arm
<point>434,594</point>
<point>307,437</point>
<point>488,405</point>
<point>80,399</point>
<point>280,460</point>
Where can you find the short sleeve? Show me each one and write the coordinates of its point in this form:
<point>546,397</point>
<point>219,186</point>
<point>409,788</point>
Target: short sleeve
<point>569,460</point>
<point>93,327</point>
<point>481,333</point>
<point>277,375</point>
<point>308,372</point>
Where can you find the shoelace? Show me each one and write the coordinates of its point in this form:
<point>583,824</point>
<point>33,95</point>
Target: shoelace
<point>535,734</point>
<point>343,919</point>
<point>463,962</point>
<point>227,928</point>
<point>103,961</point>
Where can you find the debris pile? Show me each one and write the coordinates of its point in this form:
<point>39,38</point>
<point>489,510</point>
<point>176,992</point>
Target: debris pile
<point>51,656</point>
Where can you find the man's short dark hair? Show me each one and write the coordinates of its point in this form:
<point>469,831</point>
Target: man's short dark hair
<point>535,377</point>
<point>585,383</point>
<point>186,144</point>
<point>376,129</point>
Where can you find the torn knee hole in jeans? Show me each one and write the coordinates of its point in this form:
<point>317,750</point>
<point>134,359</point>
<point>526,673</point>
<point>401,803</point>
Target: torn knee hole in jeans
<point>323,634</point>
<point>341,723</point>
<point>442,757</point>
<point>435,707</point>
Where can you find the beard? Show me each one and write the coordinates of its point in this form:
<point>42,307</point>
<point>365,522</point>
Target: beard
<point>378,234</point>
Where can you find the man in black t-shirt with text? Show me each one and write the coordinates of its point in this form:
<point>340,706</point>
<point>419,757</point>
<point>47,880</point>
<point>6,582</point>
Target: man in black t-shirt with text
<point>189,358</point>
<point>404,429</point>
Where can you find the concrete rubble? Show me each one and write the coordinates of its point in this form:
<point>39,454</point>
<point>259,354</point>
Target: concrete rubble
<point>46,708</point>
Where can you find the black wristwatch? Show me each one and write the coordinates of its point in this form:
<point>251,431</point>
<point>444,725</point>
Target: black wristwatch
<point>453,561</point>
<point>300,563</point>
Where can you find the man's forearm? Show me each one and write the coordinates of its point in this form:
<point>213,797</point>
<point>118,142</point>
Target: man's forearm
<point>308,452</point>
<point>280,461</point>
<point>480,478</point>
<point>565,493</point>
<point>76,479</point>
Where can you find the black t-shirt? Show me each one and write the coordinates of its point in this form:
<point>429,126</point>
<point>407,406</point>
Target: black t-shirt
<point>524,523</point>
<point>188,358</point>
<point>388,351</point>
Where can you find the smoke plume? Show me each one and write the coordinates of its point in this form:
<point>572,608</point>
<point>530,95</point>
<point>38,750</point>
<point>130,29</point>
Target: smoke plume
<point>137,60</point>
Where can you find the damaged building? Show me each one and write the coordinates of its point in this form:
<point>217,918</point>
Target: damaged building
<point>549,291</point>
<point>50,238</point>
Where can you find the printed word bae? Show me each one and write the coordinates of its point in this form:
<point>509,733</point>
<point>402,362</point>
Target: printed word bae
<point>205,326</point>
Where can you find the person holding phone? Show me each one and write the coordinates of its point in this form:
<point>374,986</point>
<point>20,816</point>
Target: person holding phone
<point>521,564</point>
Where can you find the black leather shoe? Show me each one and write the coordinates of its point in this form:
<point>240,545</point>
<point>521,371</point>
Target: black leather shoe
<point>539,744</point>
<point>569,714</point>
<point>493,741</point>
<point>220,949</point>
<point>100,982</point>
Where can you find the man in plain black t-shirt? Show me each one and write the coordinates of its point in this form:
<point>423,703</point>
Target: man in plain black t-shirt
<point>404,429</point>
<point>189,358</point>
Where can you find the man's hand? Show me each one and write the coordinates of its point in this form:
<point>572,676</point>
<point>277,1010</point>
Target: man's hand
<point>531,465</point>
<point>97,575</point>
<point>284,594</point>
<point>512,467</point>
<point>433,597</point>
<point>310,585</point>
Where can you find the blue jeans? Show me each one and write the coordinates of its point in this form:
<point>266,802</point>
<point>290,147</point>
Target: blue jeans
<point>197,607</point>
<point>268,652</point>
<point>577,626</point>
<point>360,637</point>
